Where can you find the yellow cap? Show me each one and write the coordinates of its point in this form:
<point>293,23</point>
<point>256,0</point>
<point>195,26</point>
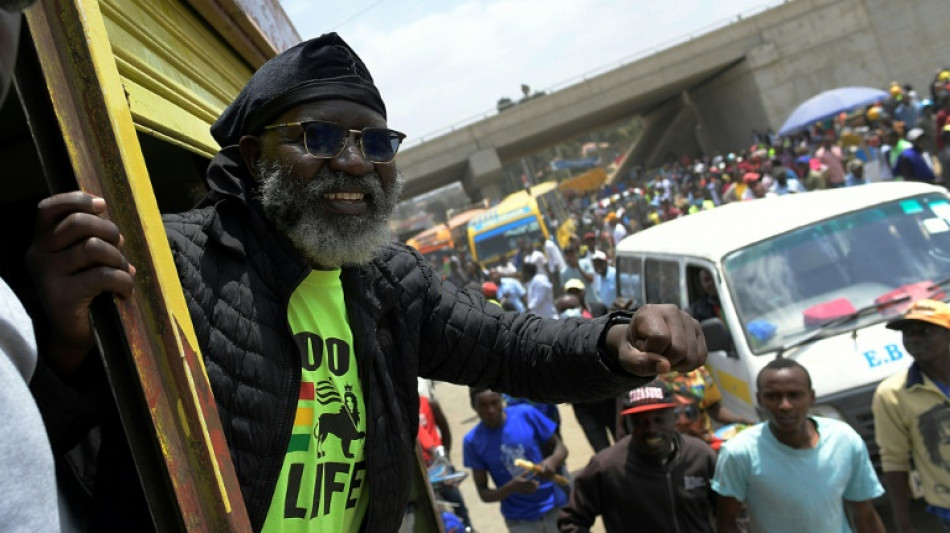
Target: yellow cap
<point>931,311</point>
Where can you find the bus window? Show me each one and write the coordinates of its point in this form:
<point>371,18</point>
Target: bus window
<point>662,282</point>
<point>629,271</point>
<point>702,293</point>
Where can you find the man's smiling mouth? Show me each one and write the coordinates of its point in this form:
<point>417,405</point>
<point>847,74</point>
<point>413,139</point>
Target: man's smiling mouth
<point>344,196</point>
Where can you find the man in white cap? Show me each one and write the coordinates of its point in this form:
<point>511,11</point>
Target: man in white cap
<point>511,293</point>
<point>574,269</point>
<point>912,414</point>
<point>605,278</point>
<point>915,163</point>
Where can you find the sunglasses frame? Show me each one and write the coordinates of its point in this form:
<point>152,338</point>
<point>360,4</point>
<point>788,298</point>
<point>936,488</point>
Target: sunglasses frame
<point>690,411</point>
<point>359,138</point>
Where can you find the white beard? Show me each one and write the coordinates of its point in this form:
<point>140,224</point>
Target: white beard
<point>328,240</point>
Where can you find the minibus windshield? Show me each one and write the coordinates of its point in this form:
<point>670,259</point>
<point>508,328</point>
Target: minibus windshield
<point>789,285</point>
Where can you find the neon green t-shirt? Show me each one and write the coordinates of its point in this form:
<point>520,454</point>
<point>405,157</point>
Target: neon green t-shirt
<point>322,484</point>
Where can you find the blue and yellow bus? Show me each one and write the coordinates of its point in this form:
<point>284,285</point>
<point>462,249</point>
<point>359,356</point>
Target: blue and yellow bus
<point>493,236</point>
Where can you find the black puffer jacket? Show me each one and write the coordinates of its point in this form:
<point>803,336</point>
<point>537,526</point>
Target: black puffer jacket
<point>238,275</point>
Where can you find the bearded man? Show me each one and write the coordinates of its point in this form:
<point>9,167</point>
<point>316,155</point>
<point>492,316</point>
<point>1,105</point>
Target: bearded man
<point>313,325</point>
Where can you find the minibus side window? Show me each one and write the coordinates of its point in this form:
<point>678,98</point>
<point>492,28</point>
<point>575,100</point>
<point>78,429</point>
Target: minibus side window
<point>662,282</point>
<point>703,294</point>
<point>629,278</point>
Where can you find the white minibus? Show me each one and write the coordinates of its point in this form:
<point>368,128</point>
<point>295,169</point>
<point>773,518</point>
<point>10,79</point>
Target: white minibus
<point>811,276</point>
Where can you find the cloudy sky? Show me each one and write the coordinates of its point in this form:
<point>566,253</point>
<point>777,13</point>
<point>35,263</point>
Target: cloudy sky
<point>439,63</point>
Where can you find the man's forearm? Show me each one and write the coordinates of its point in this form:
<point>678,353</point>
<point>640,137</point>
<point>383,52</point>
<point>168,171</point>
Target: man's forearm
<point>489,495</point>
<point>898,490</point>
<point>559,455</point>
<point>869,523</point>
<point>865,518</point>
<point>727,514</point>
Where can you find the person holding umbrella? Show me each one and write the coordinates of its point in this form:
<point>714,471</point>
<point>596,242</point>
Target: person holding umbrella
<point>832,158</point>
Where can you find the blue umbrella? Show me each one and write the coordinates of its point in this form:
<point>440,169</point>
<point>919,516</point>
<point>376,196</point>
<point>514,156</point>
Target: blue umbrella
<point>827,104</point>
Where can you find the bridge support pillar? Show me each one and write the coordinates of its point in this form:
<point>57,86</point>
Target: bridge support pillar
<point>656,123</point>
<point>483,177</point>
<point>702,131</point>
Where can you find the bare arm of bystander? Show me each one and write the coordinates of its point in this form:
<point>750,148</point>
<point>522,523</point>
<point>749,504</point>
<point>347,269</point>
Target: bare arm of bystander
<point>443,426</point>
<point>864,518</point>
<point>518,484</point>
<point>727,514</point>
<point>898,491</point>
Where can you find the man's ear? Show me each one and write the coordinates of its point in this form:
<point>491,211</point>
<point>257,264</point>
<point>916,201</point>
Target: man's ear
<point>250,148</point>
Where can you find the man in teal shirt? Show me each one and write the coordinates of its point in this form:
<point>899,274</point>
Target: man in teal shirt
<point>795,472</point>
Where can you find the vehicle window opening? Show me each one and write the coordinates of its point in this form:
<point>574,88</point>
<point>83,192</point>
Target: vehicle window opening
<point>662,282</point>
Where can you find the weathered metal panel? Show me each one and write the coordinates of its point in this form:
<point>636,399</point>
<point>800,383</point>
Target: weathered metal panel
<point>177,74</point>
<point>270,20</point>
<point>257,29</point>
<point>96,123</point>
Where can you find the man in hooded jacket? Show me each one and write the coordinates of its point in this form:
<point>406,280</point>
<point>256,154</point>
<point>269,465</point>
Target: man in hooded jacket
<point>314,325</point>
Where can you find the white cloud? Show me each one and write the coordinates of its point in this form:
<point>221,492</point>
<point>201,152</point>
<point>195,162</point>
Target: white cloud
<point>438,63</point>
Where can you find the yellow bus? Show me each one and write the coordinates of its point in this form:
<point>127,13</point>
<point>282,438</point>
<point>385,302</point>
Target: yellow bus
<point>458,225</point>
<point>434,243</point>
<point>493,236</point>
<point>438,243</point>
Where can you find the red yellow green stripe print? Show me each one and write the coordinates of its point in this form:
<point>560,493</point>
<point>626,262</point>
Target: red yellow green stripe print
<point>303,421</point>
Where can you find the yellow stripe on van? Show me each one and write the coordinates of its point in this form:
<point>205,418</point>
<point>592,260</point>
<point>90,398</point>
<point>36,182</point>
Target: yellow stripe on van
<point>734,386</point>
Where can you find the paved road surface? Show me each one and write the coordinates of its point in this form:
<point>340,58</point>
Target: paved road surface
<point>486,517</point>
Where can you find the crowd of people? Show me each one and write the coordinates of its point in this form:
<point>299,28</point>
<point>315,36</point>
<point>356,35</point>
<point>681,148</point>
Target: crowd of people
<point>795,472</point>
<point>901,137</point>
<point>658,466</point>
<point>313,324</point>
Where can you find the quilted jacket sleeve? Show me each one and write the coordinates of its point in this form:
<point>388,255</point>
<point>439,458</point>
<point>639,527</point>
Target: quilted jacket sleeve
<point>466,340</point>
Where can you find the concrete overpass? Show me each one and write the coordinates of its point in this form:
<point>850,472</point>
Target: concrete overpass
<point>707,94</point>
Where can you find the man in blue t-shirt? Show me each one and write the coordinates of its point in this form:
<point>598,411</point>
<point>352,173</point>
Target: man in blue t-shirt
<point>796,472</point>
<point>529,502</point>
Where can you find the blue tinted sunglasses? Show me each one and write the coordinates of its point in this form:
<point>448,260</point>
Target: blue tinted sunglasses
<point>327,140</point>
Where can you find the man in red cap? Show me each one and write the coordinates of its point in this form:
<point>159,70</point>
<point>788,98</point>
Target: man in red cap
<point>490,292</point>
<point>912,414</point>
<point>590,245</point>
<point>754,187</point>
<point>629,483</point>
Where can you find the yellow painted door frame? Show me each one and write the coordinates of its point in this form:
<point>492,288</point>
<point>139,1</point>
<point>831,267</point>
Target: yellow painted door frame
<point>96,123</point>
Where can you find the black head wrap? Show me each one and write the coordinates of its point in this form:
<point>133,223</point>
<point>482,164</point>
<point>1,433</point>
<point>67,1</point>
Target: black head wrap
<point>319,69</point>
